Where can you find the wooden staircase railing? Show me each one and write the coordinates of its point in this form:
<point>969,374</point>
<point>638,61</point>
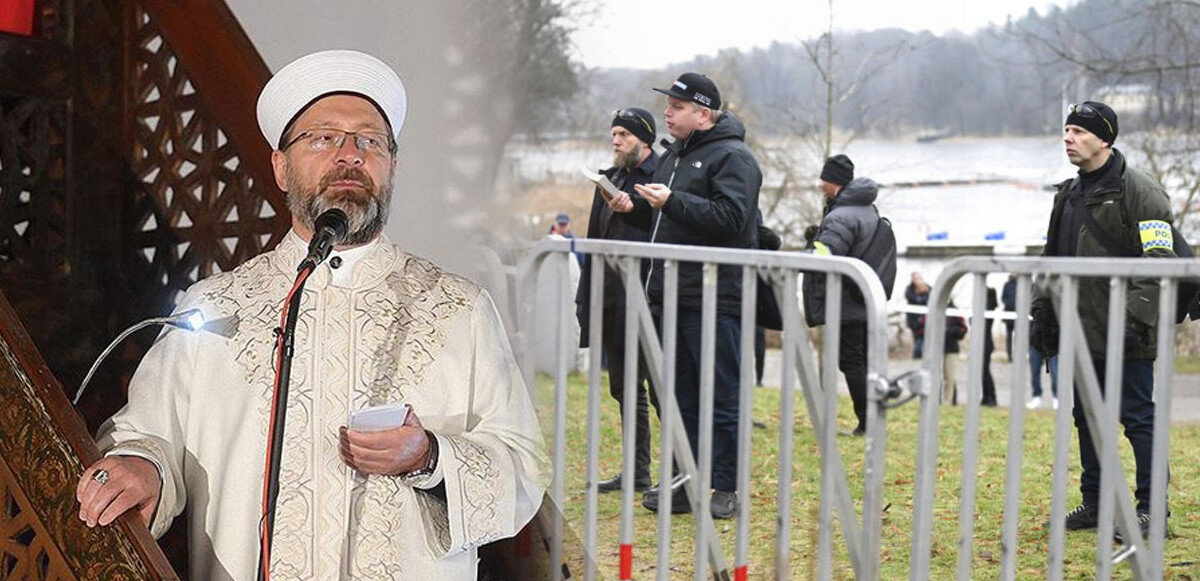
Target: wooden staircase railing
<point>43,449</point>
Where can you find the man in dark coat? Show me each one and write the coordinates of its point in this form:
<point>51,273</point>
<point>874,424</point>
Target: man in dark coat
<point>917,293</point>
<point>846,229</point>
<point>1008,297</point>
<point>634,162</point>
<point>989,346</point>
<point>1133,213</point>
<point>705,193</point>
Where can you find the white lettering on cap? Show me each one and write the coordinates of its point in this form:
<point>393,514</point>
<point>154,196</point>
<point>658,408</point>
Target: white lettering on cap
<point>682,86</point>
<point>702,99</point>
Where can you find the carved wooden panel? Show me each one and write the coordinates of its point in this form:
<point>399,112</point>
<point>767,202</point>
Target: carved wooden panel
<point>195,209</point>
<point>32,185</point>
<point>25,553</point>
<point>41,444</point>
<point>61,182</point>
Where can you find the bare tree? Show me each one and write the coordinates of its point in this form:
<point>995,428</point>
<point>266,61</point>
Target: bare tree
<point>790,202</point>
<point>528,74</point>
<point>1144,58</point>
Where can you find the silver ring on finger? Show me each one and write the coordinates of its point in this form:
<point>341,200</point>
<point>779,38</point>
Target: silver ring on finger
<point>101,476</point>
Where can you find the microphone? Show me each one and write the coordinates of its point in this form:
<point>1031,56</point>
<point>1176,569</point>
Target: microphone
<point>189,320</point>
<point>329,229</point>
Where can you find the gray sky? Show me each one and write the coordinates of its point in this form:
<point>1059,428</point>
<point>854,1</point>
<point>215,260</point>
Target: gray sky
<point>655,33</point>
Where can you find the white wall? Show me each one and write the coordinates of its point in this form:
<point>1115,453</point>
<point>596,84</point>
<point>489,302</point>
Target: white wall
<point>440,179</point>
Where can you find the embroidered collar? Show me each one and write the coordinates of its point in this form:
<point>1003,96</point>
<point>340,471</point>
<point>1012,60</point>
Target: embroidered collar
<point>362,266</point>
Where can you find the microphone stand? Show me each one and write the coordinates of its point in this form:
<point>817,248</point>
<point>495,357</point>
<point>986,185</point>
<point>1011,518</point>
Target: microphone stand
<point>329,227</point>
<point>284,348</point>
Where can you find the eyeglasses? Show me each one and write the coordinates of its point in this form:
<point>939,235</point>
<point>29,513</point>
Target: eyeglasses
<point>323,139</point>
<point>1089,112</point>
<point>631,114</point>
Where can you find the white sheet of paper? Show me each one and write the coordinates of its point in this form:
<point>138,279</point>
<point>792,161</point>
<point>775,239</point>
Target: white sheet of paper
<point>384,417</point>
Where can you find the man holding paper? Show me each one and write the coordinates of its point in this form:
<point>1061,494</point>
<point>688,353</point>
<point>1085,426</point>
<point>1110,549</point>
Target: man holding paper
<point>704,193</point>
<point>460,466</point>
<point>634,162</point>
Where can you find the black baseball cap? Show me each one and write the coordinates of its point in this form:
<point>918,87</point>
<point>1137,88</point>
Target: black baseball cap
<point>696,88</point>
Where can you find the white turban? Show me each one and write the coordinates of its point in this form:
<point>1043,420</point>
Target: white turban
<point>310,77</point>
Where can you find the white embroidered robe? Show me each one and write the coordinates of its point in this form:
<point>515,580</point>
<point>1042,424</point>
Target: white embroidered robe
<point>402,331</point>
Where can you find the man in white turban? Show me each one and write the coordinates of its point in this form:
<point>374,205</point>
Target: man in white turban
<point>376,326</point>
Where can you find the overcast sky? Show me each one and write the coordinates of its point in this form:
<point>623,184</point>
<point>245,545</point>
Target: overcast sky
<point>654,33</point>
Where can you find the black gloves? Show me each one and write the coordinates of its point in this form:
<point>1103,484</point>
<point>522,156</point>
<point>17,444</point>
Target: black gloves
<point>810,234</point>
<point>1044,338</point>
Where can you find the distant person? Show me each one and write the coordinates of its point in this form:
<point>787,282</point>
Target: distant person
<point>1036,359</point>
<point>705,193</point>
<point>848,228</point>
<point>1008,296</point>
<point>956,329</point>
<point>917,294</point>
<point>562,227</point>
<point>1109,210</point>
<point>634,162</point>
<point>989,346</point>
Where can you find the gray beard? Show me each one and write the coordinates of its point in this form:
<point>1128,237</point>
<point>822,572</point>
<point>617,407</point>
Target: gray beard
<point>627,161</point>
<point>367,214</point>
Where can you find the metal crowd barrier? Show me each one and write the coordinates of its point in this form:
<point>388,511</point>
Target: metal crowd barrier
<point>1061,276</point>
<point>860,534</point>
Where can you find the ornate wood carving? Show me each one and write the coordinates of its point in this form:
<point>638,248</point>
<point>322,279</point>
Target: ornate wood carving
<point>32,181</point>
<point>196,208</point>
<point>43,445</point>
<point>130,166</point>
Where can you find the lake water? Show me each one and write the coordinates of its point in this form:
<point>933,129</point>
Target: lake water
<point>971,189</point>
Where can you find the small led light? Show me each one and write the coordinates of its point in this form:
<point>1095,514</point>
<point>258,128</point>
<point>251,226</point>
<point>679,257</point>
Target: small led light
<point>194,320</point>
<point>190,320</point>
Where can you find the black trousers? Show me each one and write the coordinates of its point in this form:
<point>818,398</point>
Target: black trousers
<point>852,362</point>
<point>760,353</point>
<point>613,336</point>
<point>726,366</point>
<point>989,383</point>
<point>1137,416</point>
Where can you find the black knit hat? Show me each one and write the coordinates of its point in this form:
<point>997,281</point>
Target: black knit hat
<point>1097,118</point>
<point>838,170</point>
<point>696,88</point>
<point>638,121</point>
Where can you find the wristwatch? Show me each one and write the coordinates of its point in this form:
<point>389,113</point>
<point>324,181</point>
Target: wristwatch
<point>431,464</point>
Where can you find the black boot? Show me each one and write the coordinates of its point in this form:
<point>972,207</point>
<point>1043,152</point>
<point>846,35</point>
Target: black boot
<point>614,484</point>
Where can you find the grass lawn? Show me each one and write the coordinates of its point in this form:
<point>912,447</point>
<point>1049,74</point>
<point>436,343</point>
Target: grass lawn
<point>1183,547</point>
<point>1187,364</point>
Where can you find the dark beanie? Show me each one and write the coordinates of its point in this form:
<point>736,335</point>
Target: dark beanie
<point>838,170</point>
<point>1097,118</point>
<point>638,121</point>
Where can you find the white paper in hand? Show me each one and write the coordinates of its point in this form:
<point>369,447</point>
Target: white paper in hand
<point>384,417</point>
<point>607,189</point>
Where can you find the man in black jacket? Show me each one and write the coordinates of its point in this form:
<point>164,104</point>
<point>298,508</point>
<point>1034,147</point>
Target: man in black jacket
<point>917,293</point>
<point>1008,297</point>
<point>705,193</point>
<point>634,162</point>
<point>1109,209</point>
